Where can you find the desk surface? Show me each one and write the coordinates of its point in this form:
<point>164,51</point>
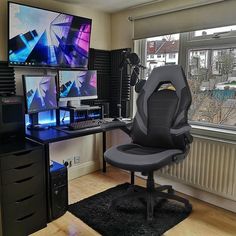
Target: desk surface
<point>54,135</point>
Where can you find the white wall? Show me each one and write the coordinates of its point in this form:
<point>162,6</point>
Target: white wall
<point>89,148</point>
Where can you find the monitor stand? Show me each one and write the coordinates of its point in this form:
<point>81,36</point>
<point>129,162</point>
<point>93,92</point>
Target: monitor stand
<point>34,123</point>
<point>77,105</point>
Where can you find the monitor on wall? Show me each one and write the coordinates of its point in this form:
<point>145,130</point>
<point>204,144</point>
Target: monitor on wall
<point>43,38</point>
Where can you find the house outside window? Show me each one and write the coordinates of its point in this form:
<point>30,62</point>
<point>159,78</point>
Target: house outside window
<point>164,47</point>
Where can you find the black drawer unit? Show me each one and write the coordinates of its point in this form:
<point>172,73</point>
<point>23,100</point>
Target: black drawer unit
<point>23,188</point>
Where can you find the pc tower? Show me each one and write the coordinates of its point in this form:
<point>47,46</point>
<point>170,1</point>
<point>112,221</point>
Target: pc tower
<point>58,190</point>
<point>12,118</point>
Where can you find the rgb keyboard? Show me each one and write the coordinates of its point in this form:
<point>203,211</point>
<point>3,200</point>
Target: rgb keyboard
<point>85,124</point>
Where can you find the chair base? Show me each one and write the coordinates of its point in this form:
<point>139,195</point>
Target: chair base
<point>150,195</point>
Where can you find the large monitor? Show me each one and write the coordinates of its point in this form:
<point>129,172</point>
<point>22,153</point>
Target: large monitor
<point>77,85</point>
<point>43,38</point>
<point>40,93</point>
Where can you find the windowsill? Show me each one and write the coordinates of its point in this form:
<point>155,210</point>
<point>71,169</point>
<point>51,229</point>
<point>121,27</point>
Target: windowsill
<point>221,134</point>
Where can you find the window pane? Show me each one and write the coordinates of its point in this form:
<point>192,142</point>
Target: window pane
<point>162,51</point>
<point>212,79</point>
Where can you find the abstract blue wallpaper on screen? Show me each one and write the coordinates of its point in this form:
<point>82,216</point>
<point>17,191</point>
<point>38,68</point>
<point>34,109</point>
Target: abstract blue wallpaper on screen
<point>78,83</point>
<point>40,93</point>
<point>44,38</point>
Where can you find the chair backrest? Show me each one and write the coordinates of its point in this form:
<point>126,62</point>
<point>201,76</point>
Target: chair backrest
<point>159,110</point>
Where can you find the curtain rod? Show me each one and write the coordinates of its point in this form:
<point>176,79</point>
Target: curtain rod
<point>176,9</point>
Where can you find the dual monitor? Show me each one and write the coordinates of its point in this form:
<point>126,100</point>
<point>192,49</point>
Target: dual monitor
<point>43,91</point>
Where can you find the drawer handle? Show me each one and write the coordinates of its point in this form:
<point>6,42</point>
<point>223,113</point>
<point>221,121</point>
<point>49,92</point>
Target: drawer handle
<point>25,198</point>
<point>23,167</point>
<point>23,180</point>
<point>22,153</point>
<point>25,217</point>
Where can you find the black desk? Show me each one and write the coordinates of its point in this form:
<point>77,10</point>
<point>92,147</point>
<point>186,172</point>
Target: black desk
<point>52,135</point>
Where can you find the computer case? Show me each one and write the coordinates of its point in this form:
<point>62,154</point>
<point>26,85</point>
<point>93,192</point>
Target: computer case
<point>12,118</point>
<point>58,190</point>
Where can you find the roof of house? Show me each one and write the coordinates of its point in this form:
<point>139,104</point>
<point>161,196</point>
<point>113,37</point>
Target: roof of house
<point>162,46</point>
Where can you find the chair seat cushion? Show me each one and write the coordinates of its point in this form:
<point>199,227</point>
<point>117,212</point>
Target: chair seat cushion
<point>134,157</point>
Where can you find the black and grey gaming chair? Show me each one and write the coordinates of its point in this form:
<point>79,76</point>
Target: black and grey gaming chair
<point>160,132</point>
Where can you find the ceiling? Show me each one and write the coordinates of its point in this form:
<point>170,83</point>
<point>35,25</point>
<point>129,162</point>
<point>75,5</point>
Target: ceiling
<point>110,6</point>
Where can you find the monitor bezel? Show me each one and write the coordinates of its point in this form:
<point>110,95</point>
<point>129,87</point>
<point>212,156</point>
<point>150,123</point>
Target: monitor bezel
<point>43,66</point>
<point>63,99</point>
<point>25,97</point>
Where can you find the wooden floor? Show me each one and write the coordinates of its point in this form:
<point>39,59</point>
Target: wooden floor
<point>205,220</point>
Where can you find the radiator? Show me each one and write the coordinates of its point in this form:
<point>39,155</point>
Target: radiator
<point>210,166</point>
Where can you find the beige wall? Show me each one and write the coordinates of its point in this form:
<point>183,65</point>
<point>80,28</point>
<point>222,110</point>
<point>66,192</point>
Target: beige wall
<point>122,28</point>
<point>101,26</point>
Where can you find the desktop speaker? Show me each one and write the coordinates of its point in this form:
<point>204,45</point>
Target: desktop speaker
<point>58,190</point>
<point>12,118</point>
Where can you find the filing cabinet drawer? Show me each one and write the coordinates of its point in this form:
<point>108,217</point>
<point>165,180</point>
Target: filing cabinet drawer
<point>27,224</point>
<point>20,189</point>
<point>21,174</point>
<point>24,207</point>
<point>21,159</point>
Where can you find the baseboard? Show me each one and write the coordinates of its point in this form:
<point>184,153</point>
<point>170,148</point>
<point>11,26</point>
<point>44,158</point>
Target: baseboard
<point>197,193</point>
<point>83,169</point>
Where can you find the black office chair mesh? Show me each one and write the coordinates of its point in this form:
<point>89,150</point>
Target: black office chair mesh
<point>160,133</point>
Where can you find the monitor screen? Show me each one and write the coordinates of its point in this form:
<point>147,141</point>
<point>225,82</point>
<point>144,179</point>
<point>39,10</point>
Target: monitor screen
<point>44,38</point>
<point>40,93</point>
<point>77,85</point>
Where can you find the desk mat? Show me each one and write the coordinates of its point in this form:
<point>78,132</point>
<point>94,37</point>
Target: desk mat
<point>129,216</point>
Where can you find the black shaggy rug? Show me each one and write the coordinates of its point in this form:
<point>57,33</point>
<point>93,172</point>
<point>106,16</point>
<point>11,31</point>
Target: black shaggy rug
<point>127,218</point>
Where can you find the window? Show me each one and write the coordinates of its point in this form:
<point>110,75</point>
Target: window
<point>171,55</point>
<point>209,59</point>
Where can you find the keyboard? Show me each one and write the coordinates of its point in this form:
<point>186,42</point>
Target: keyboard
<point>85,124</point>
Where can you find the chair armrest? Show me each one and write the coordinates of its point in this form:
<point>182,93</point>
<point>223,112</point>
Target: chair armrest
<point>182,130</point>
<point>185,131</point>
<point>126,127</point>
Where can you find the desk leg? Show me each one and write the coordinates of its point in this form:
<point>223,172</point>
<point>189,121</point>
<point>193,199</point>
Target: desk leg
<point>104,142</point>
<point>132,177</point>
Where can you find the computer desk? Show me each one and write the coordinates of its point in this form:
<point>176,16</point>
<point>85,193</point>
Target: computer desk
<point>52,135</point>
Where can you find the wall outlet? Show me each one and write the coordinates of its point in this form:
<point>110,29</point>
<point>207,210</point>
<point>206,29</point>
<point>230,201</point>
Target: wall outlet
<point>76,160</point>
<point>70,161</point>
